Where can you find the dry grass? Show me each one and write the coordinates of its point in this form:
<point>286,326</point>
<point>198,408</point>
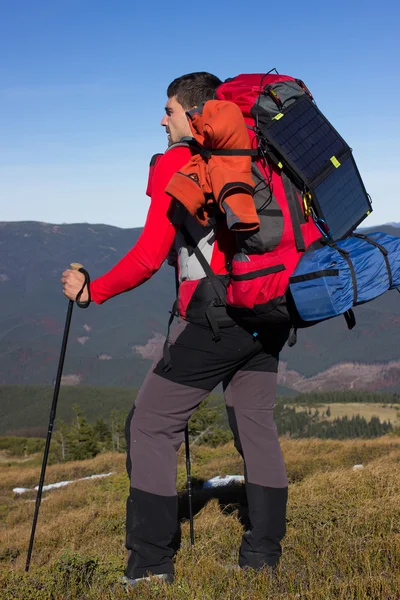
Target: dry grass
<point>5,458</point>
<point>384,412</point>
<point>343,539</point>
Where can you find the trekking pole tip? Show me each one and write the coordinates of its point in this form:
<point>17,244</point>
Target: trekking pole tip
<point>76,266</point>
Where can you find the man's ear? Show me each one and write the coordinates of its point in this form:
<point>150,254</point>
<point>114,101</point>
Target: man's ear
<point>190,110</point>
<point>196,109</point>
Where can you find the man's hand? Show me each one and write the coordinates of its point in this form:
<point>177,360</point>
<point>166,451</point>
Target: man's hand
<point>72,284</point>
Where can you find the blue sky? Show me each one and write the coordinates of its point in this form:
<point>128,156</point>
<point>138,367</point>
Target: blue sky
<point>82,91</point>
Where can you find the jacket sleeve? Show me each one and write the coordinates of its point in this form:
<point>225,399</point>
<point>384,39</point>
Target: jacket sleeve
<point>155,241</point>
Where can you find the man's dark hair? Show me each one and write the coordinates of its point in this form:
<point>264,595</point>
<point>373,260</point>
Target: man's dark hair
<point>193,89</point>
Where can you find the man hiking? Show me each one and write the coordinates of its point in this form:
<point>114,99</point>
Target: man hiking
<point>206,348</point>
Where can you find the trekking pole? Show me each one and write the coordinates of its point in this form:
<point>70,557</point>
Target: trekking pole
<point>75,267</point>
<point>189,482</point>
<point>187,451</point>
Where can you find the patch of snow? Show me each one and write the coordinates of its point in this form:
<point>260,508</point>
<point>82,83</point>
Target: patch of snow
<point>87,327</point>
<point>71,379</point>
<point>357,467</point>
<point>105,357</point>
<point>82,340</point>
<point>220,481</point>
<point>59,484</point>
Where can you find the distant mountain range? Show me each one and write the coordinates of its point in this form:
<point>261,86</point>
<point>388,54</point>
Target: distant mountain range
<point>393,224</point>
<point>113,344</point>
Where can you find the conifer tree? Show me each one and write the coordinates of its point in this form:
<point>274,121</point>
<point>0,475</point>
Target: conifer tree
<point>83,442</point>
<point>203,428</point>
<point>62,441</point>
<point>102,434</point>
<point>117,425</point>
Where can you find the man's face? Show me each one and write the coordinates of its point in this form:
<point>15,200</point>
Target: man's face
<point>175,121</point>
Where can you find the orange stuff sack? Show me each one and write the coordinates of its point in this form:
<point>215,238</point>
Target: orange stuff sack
<point>208,177</point>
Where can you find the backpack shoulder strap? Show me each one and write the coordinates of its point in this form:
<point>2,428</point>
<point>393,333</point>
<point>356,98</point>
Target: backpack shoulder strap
<point>217,284</point>
<point>186,142</point>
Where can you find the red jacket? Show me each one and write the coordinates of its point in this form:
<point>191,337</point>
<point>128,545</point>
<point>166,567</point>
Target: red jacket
<point>156,239</point>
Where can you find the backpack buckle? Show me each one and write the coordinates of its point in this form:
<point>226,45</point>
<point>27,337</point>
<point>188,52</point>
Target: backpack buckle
<point>307,199</point>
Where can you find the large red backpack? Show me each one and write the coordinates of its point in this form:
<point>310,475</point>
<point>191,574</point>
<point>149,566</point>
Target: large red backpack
<point>260,271</point>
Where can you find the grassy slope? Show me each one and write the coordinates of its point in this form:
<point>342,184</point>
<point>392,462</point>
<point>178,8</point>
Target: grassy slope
<point>343,538</point>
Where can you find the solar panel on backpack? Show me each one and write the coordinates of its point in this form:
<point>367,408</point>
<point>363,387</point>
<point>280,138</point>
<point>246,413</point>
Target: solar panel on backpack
<point>341,199</point>
<point>317,155</point>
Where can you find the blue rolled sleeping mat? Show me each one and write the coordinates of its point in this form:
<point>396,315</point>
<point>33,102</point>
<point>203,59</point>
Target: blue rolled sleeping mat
<point>328,281</point>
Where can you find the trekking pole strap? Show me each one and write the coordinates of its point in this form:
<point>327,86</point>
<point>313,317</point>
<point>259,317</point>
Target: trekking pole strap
<point>85,284</point>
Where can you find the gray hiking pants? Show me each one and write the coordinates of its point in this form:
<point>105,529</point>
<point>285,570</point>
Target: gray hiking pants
<point>247,368</point>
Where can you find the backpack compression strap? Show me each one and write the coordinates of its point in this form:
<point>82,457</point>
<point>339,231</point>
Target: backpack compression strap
<point>362,236</point>
<point>207,153</point>
<point>349,314</point>
<point>295,211</point>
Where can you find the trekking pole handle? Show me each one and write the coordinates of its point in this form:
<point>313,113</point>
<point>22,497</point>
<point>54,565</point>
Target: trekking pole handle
<point>79,267</point>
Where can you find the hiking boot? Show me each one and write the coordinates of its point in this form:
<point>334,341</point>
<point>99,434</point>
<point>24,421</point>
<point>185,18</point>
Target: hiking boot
<point>167,578</point>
